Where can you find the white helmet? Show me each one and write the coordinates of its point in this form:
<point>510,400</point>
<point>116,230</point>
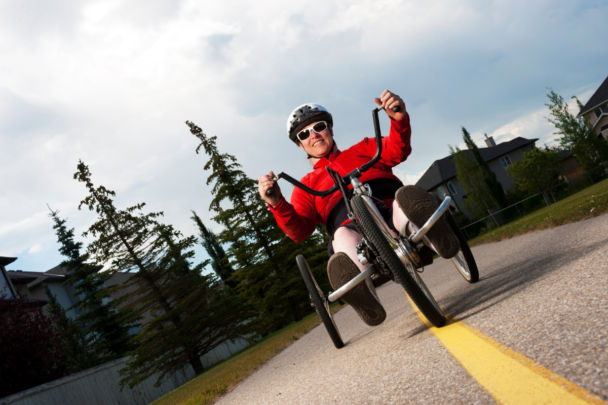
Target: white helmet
<point>305,115</point>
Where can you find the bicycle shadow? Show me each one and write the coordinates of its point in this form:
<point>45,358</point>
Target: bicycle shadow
<point>504,282</point>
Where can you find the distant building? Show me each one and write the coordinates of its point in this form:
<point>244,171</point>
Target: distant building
<point>596,110</point>
<point>441,178</point>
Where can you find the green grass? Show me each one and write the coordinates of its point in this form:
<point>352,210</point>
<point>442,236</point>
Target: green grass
<point>223,377</point>
<point>590,202</point>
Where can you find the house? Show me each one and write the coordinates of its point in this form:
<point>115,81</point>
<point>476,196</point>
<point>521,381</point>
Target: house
<point>441,179</point>
<point>30,285</point>
<point>7,289</point>
<point>596,110</point>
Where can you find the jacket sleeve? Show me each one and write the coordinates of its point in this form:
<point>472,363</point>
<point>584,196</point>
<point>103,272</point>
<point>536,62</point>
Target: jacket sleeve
<point>297,219</point>
<point>396,146</point>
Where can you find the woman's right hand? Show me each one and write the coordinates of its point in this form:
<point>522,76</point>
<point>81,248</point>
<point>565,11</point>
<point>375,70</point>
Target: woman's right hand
<point>264,184</point>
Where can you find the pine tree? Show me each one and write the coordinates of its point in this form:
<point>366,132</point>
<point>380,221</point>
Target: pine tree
<point>78,355</point>
<point>179,307</point>
<point>489,177</point>
<point>108,337</point>
<point>269,283</point>
<point>577,134</point>
<point>209,315</point>
<point>478,198</point>
<point>219,259</point>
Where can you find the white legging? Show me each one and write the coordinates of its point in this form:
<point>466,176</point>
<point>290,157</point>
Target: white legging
<point>346,239</point>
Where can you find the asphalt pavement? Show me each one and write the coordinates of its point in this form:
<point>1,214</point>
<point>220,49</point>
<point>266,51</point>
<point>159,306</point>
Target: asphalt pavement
<point>541,303</point>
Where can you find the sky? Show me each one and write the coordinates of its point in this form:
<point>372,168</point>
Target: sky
<point>112,83</point>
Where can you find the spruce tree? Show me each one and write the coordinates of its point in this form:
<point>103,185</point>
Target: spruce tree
<point>577,134</point>
<point>267,281</point>
<point>78,355</point>
<point>488,176</point>
<point>108,337</point>
<point>178,307</point>
<point>219,259</point>
<point>478,198</point>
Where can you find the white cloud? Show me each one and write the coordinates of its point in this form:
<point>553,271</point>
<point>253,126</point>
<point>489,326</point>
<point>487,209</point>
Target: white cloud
<point>111,82</point>
<point>35,248</point>
<point>406,177</point>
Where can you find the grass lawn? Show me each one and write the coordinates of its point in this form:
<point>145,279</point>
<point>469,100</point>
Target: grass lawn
<point>223,377</point>
<point>211,385</point>
<point>590,202</point>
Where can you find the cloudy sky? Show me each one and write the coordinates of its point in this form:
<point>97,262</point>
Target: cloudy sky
<point>112,82</point>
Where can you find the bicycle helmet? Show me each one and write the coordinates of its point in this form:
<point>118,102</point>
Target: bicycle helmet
<point>305,115</point>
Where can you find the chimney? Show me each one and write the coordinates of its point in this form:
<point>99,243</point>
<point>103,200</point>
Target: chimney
<point>490,141</point>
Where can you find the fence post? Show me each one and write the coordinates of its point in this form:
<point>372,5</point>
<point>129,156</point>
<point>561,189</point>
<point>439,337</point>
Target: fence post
<point>518,211</point>
<point>466,233</point>
<point>592,182</point>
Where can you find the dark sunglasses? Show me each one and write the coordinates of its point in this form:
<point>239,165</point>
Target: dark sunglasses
<point>305,133</point>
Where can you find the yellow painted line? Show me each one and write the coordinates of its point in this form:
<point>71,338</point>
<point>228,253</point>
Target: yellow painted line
<point>510,377</point>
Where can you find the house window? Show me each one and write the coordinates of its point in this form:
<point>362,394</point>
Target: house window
<point>451,188</point>
<point>505,161</point>
<point>597,113</point>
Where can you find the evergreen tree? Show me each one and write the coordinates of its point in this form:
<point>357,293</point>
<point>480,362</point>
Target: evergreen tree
<point>577,134</point>
<point>185,314</point>
<point>108,337</point>
<point>538,171</point>
<point>478,198</point>
<point>78,356</point>
<point>219,260</point>
<point>267,278</point>
<point>488,176</point>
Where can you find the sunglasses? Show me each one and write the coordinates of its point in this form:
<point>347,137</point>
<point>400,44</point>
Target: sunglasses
<point>305,133</point>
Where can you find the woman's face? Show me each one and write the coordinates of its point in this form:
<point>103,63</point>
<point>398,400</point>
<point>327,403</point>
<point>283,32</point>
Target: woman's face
<point>318,144</point>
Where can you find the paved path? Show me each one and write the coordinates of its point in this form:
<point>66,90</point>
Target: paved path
<point>544,296</point>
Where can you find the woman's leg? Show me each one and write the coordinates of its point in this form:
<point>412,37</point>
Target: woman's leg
<point>400,220</point>
<point>346,240</point>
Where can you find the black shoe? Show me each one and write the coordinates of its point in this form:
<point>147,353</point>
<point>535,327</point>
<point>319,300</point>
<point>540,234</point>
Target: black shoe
<point>418,206</point>
<point>341,270</point>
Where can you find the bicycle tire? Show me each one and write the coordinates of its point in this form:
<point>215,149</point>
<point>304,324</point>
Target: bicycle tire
<point>424,301</point>
<point>467,255</point>
<point>319,303</point>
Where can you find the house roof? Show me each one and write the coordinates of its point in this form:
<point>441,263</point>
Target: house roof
<point>598,98</point>
<point>5,261</point>
<point>444,169</point>
<point>35,278</point>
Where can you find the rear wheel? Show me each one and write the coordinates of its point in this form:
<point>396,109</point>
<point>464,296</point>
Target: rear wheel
<point>319,302</point>
<point>464,260</point>
<point>385,245</point>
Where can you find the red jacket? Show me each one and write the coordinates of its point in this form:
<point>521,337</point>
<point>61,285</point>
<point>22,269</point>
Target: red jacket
<point>299,218</point>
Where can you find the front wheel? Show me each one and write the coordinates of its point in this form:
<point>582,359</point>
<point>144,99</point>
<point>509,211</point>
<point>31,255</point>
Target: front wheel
<point>384,243</point>
<point>464,260</point>
<point>319,302</point>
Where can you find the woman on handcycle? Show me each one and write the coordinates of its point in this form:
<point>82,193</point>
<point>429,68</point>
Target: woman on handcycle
<point>406,208</point>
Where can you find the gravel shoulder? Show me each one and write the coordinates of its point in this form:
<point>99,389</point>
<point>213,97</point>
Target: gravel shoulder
<point>542,294</point>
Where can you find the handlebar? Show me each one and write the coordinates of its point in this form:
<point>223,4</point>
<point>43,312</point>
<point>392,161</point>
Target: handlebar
<point>355,173</point>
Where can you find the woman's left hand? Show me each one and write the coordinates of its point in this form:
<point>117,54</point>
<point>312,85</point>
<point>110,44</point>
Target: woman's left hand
<point>391,100</point>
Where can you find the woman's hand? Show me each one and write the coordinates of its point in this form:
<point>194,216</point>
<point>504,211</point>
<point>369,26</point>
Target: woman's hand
<point>391,100</point>
<point>264,184</point>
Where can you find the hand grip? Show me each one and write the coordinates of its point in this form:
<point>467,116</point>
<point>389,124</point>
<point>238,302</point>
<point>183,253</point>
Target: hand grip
<point>269,192</point>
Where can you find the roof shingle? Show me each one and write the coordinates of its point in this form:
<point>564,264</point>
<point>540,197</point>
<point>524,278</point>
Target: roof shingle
<point>598,98</point>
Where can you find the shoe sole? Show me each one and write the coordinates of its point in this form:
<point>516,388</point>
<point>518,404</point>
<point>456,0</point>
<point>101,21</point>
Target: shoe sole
<point>341,270</point>
<point>418,206</point>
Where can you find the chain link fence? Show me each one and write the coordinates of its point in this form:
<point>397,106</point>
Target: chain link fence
<point>535,202</point>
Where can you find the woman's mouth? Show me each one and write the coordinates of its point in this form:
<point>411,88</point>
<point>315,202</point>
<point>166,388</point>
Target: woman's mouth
<point>317,143</point>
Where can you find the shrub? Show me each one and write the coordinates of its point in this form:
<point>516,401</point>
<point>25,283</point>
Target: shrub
<point>30,348</point>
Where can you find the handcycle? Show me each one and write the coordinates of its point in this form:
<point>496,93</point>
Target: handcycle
<point>397,258</point>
